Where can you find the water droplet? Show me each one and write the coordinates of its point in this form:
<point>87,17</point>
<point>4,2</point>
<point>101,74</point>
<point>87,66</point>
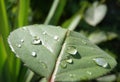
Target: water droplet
<point>34,54</point>
<point>88,72</point>
<point>44,33</point>
<point>101,62</point>
<point>35,42</point>
<point>69,61</point>
<point>21,40</point>
<point>56,37</point>
<point>84,42</point>
<point>72,75</point>
<point>43,65</point>
<point>63,64</point>
<point>19,45</point>
<point>72,50</point>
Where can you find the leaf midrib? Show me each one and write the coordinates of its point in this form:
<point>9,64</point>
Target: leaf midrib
<point>52,79</point>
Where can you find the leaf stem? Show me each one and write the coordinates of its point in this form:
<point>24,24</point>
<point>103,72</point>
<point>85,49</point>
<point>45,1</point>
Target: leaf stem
<point>52,11</point>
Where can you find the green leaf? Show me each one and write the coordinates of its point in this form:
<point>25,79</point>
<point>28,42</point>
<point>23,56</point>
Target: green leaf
<point>58,54</point>
<point>101,36</point>
<point>95,13</point>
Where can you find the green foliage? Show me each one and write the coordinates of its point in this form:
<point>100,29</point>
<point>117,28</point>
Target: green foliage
<point>70,14</point>
<point>58,54</point>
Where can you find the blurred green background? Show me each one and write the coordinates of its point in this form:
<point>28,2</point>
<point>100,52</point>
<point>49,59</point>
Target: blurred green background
<point>96,19</point>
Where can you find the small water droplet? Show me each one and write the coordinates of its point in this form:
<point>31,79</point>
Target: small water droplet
<point>72,50</point>
<point>44,33</point>
<point>56,37</point>
<point>34,54</point>
<point>19,45</point>
<point>88,72</point>
<point>69,61</point>
<point>63,64</point>
<point>84,42</point>
<point>101,62</point>
<point>21,40</point>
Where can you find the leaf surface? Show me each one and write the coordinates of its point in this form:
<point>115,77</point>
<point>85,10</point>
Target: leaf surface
<point>59,54</point>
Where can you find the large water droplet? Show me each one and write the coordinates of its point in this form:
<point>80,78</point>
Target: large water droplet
<point>72,50</point>
<point>69,61</point>
<point>21,40</point>
<point>56,37</point>
<point>35,42</point>
<point>34,54</point>
<point>63,64</point>
<point>101,62</point>
<point>19,45</point>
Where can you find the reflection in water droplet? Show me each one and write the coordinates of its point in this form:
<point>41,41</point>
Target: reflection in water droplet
<point>69,61</point>
<point>84,42</point>
<point>21,40</point>
<point>19,45</point>
<point>88,72</point>
<point>72,50</point>
<point>63,64</point>
<point>36,41</point>
<point>34,54</point>
<point>43,65</point>
<point>44,33</point>
<point>101,62</point>
<point>56,37</point>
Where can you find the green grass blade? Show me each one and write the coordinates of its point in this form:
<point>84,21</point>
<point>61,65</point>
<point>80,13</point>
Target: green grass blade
<point>59,10</point>
<point>52,11</point>
<point>3,54</point>
<point>72,22</point>
<point>23,12</point>
<point>4,27</point>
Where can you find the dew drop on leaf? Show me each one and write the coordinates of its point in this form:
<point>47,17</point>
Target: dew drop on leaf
<point>34,54</point>
<point>21,40</point>
<point>36,40</point>
<point>19,45</point>
<point>72,50</point>
<point>63,64</point>
<point>101,62</point>
<point>69,61</point>
<point>56,37</point>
